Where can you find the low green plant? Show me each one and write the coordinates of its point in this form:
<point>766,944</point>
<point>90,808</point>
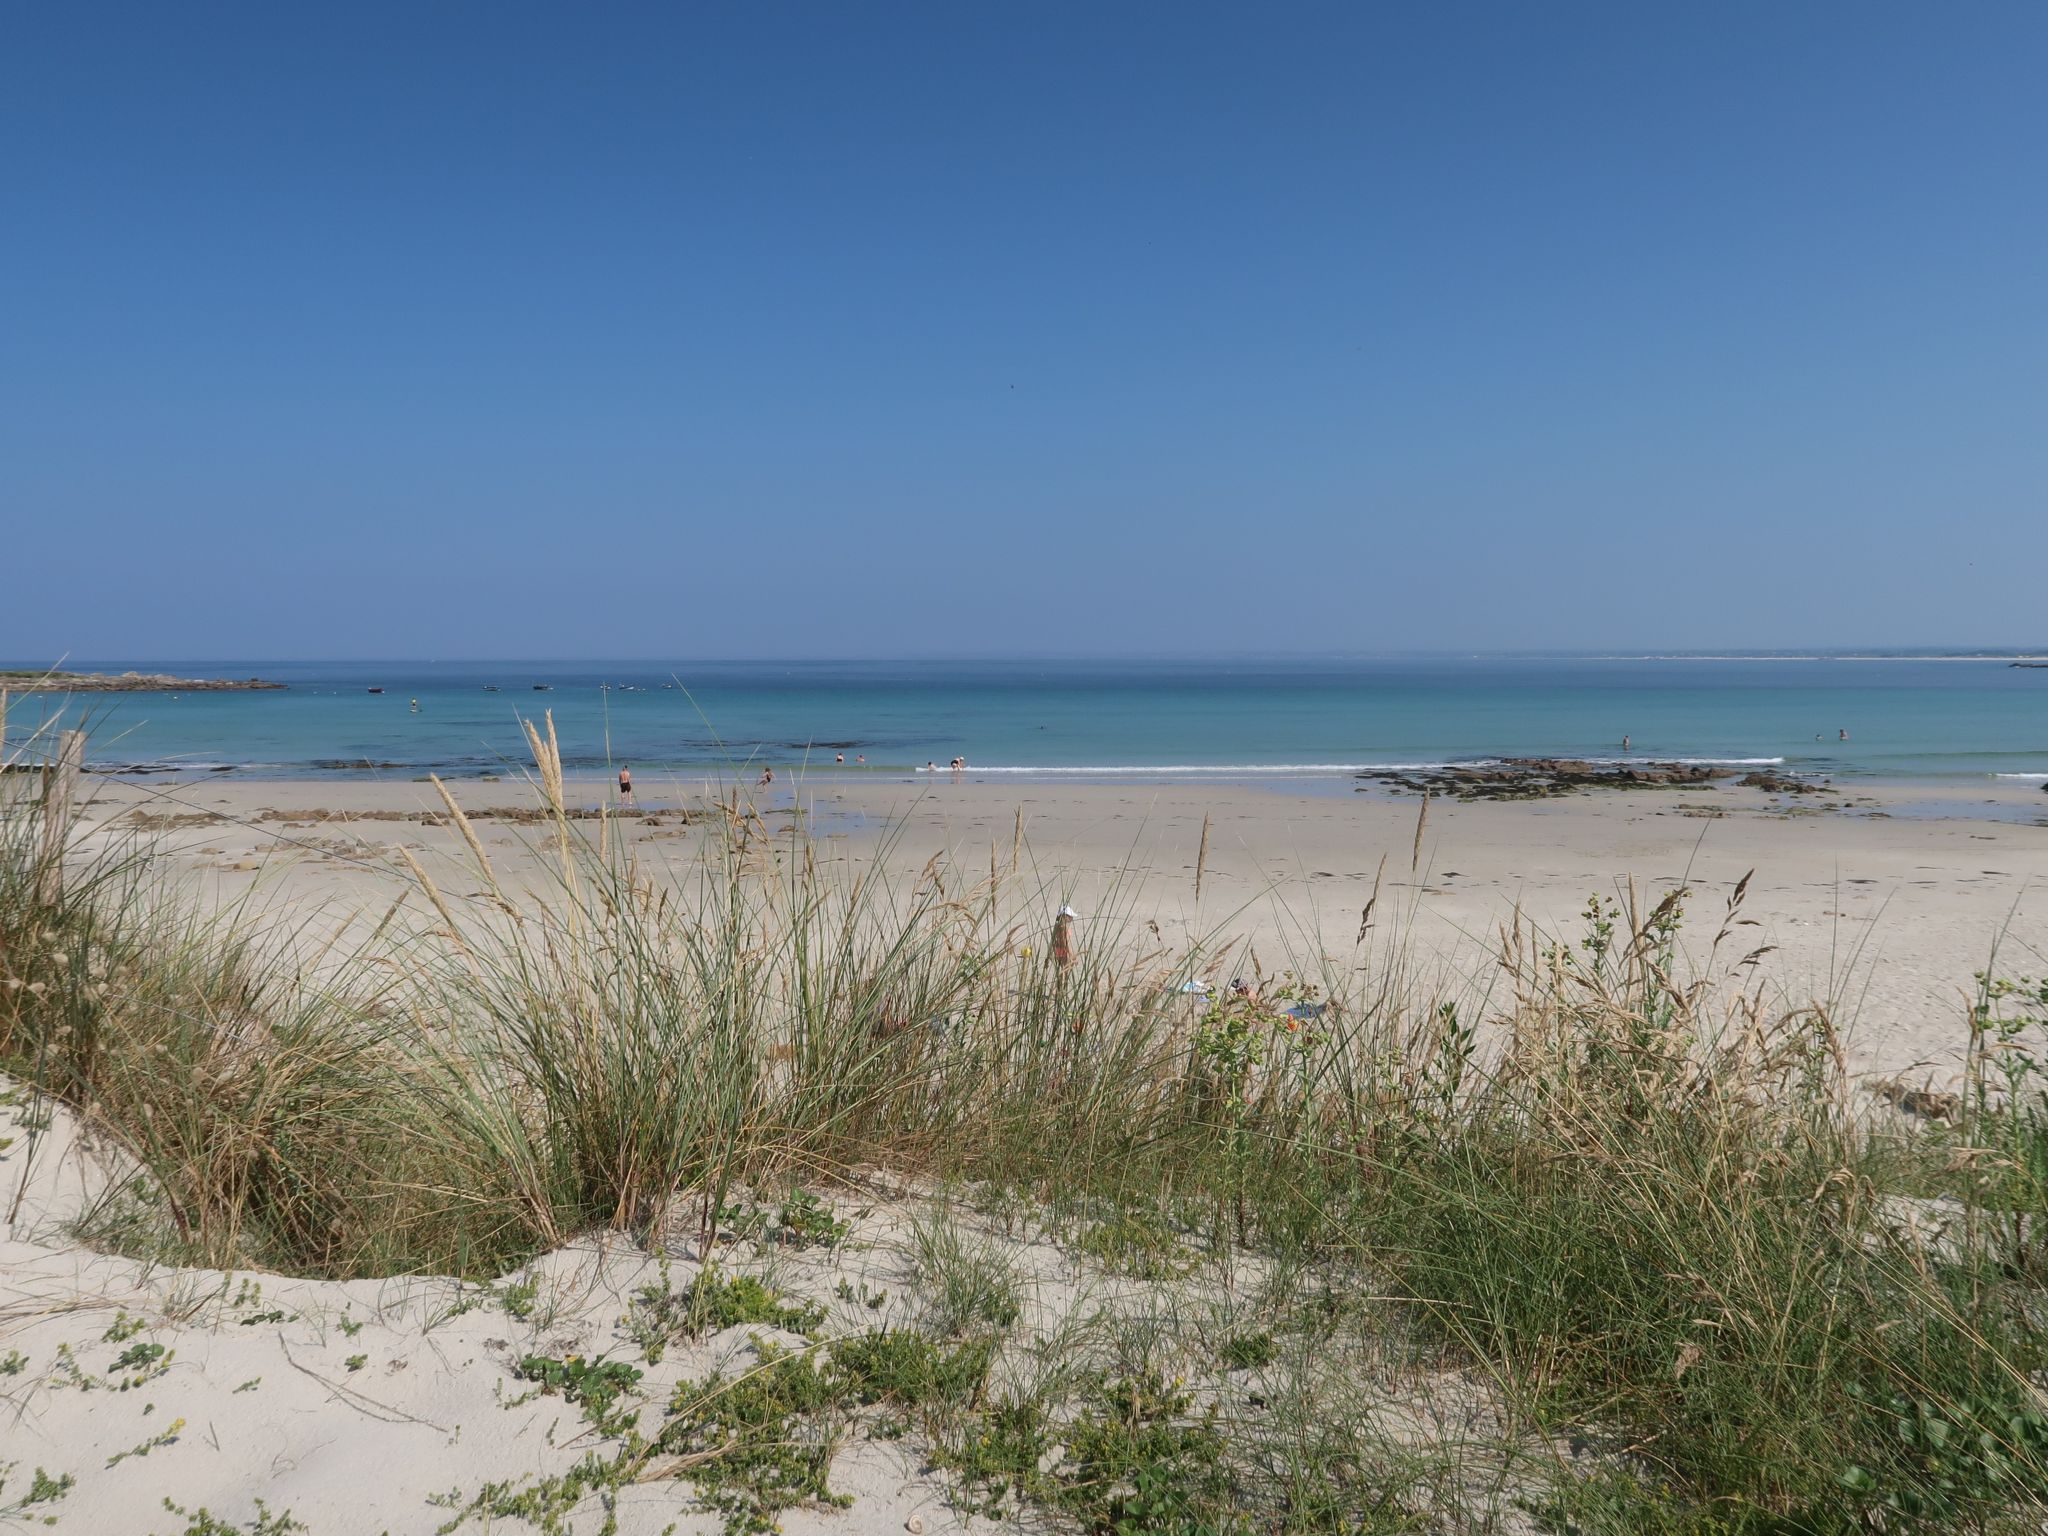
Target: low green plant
<point>265,1522</point>
<point>874,1301</point>
<point>143,1363</point>
<point>1247,1351</point>
<point>714,1300</point>
<point>1134,1241</point>
<point>596,1384</point>
<point>760,1442</point>
<point>1957,1460</point>
<point>42,1489</point>
<point>167,1436</point>
<point>519,1299</point>
<point>908,1369</point>
<point>807,1222</point>
<point>544,1503</point>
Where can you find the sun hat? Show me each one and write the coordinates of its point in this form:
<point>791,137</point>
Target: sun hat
<point>1068,912</point>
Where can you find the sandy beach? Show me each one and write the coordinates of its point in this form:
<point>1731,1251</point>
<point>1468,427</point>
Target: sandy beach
<point>137,1394</point>
<point>1880,902</point>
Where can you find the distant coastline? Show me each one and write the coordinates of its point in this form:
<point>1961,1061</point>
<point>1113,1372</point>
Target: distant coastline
<point>124,682</point>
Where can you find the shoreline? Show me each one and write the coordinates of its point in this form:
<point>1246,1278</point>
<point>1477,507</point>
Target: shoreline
<point>1988,796</point>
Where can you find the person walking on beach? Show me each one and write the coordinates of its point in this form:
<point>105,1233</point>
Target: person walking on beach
<point>767,778</point>
<point>625,785</point>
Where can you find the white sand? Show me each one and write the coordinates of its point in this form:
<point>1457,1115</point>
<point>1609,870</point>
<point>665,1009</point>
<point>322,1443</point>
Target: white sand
<point>386,1405</point>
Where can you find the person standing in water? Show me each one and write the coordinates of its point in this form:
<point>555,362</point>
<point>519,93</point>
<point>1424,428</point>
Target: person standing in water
<point>1624,743</point>
<point>625,785</point>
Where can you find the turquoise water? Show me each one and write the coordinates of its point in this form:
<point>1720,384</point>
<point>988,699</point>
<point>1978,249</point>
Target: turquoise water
<point>1952,720</point>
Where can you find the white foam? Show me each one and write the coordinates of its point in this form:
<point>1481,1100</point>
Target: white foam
<point>1242,770</point>
<point>1649,760</point>
<point>1236,770</point>
<point>2037,778</point>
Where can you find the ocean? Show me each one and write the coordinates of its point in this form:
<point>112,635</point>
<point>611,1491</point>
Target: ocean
<point>1947,720</point>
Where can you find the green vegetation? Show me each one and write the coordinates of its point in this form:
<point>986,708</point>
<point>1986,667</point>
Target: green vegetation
<point>42,1490</point>
<point>596,1384</point>
<point>201,1522</point>
<point>970,1286</point>
<point>1623,1205</point>
<point>808,1222</point>
<point>1247,1351</point>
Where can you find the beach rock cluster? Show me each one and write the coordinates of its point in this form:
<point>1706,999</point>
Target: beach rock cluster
<point>1783,783</point>
<point>1539,778</point>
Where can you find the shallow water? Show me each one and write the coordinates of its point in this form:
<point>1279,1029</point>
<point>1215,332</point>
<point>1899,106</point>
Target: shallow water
<point>1937,720</point>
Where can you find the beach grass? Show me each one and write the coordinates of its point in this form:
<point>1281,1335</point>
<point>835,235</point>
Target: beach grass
<point>1632,1206</point>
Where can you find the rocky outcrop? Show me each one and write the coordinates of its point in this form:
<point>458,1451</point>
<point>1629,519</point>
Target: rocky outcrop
<point>1538,778</point>
<point>125,682</point>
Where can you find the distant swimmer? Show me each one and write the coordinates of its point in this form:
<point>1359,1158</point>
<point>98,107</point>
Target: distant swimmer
<point>861,761</point>
<point>1624,743</point>
<point>415,706</point>
<point>1843,735</point>
<point>839,757</point>
<point>625,785</point>
<point>931,767</point>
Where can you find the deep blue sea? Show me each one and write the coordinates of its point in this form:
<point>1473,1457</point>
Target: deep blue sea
<point>1945,720</point>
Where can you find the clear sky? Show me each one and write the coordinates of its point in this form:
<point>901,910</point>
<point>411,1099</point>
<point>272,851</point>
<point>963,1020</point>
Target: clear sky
<point>966,329</point>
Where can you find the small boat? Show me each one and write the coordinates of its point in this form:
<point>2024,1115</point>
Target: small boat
<point>543,687</point>
<point>376,690</point>
<point>490,687</point>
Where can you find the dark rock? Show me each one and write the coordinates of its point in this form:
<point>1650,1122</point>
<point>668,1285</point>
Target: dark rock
<point>1783,783</point>
<point>1538,778</point>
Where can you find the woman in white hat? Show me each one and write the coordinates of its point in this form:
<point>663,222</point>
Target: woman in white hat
<point>1063,938</point>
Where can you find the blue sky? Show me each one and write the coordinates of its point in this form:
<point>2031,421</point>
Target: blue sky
<point>879,330</point>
